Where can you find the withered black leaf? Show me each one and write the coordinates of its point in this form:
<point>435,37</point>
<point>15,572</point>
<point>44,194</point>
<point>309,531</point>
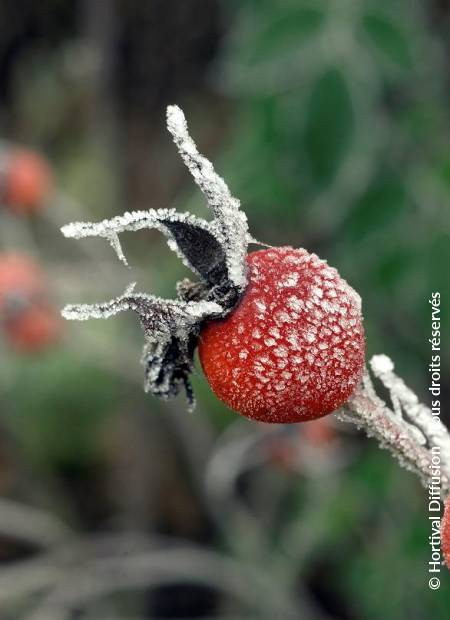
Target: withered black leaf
<point>215,251</point>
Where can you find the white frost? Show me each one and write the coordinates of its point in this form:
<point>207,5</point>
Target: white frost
<point>381,364</point>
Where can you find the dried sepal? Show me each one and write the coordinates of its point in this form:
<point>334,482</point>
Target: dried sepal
<point>170,327</point>
<point>215,251</point>
<point>194,240</point>
<point>230,221</point>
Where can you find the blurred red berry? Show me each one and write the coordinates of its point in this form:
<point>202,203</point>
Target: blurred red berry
<point>445,532</point>
<point>28,320</point>
<point>18,274</point>
<point>282,455</point>
<point>319,432</point>
<point>27,181</point>
<point>293,348</point>
<point>34,329</point>
<point>282,450</point>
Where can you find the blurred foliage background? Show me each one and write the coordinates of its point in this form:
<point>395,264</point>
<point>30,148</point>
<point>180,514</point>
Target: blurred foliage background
<point>329,120</point>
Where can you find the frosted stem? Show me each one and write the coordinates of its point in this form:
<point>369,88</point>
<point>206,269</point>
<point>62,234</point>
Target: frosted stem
<point>409,430</point>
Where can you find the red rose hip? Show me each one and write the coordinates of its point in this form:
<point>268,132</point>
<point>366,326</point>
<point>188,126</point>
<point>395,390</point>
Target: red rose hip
<point>35,329</point>
<point>19,273</point>
<point>293,348</point>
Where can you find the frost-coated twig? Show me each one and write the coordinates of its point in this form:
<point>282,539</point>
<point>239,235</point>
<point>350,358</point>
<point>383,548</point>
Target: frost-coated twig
<point>30,524</point>
<point>157,567</point>
<point>85,570</point>
<point>409,430</point>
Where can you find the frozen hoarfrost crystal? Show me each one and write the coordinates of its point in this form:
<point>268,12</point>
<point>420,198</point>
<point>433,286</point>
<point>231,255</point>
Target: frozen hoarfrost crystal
<point>230,221</point>
<point>215,251</point>
<point>170,327</point>
<point>381,364</point>
<point>193,239</point>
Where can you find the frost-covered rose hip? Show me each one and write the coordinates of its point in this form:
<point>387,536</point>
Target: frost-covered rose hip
<point>279,332</point>
<point>293,348</point>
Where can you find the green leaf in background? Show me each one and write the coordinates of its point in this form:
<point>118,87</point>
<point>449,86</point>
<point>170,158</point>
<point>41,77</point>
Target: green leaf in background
<point>443,171</point>
<point>393,267</point>
<point>60,412</point>
<point>258,173</point>
<point>388,38</point>
<point>438,261</point>
<point>284,34</point>
<point>379,206</point>
<point>329,125</point>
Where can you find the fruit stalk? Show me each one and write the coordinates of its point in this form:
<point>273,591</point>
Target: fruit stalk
<point>407,429</point>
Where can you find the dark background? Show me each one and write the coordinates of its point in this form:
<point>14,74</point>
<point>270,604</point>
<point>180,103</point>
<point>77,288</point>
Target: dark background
<point>329,120</point>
